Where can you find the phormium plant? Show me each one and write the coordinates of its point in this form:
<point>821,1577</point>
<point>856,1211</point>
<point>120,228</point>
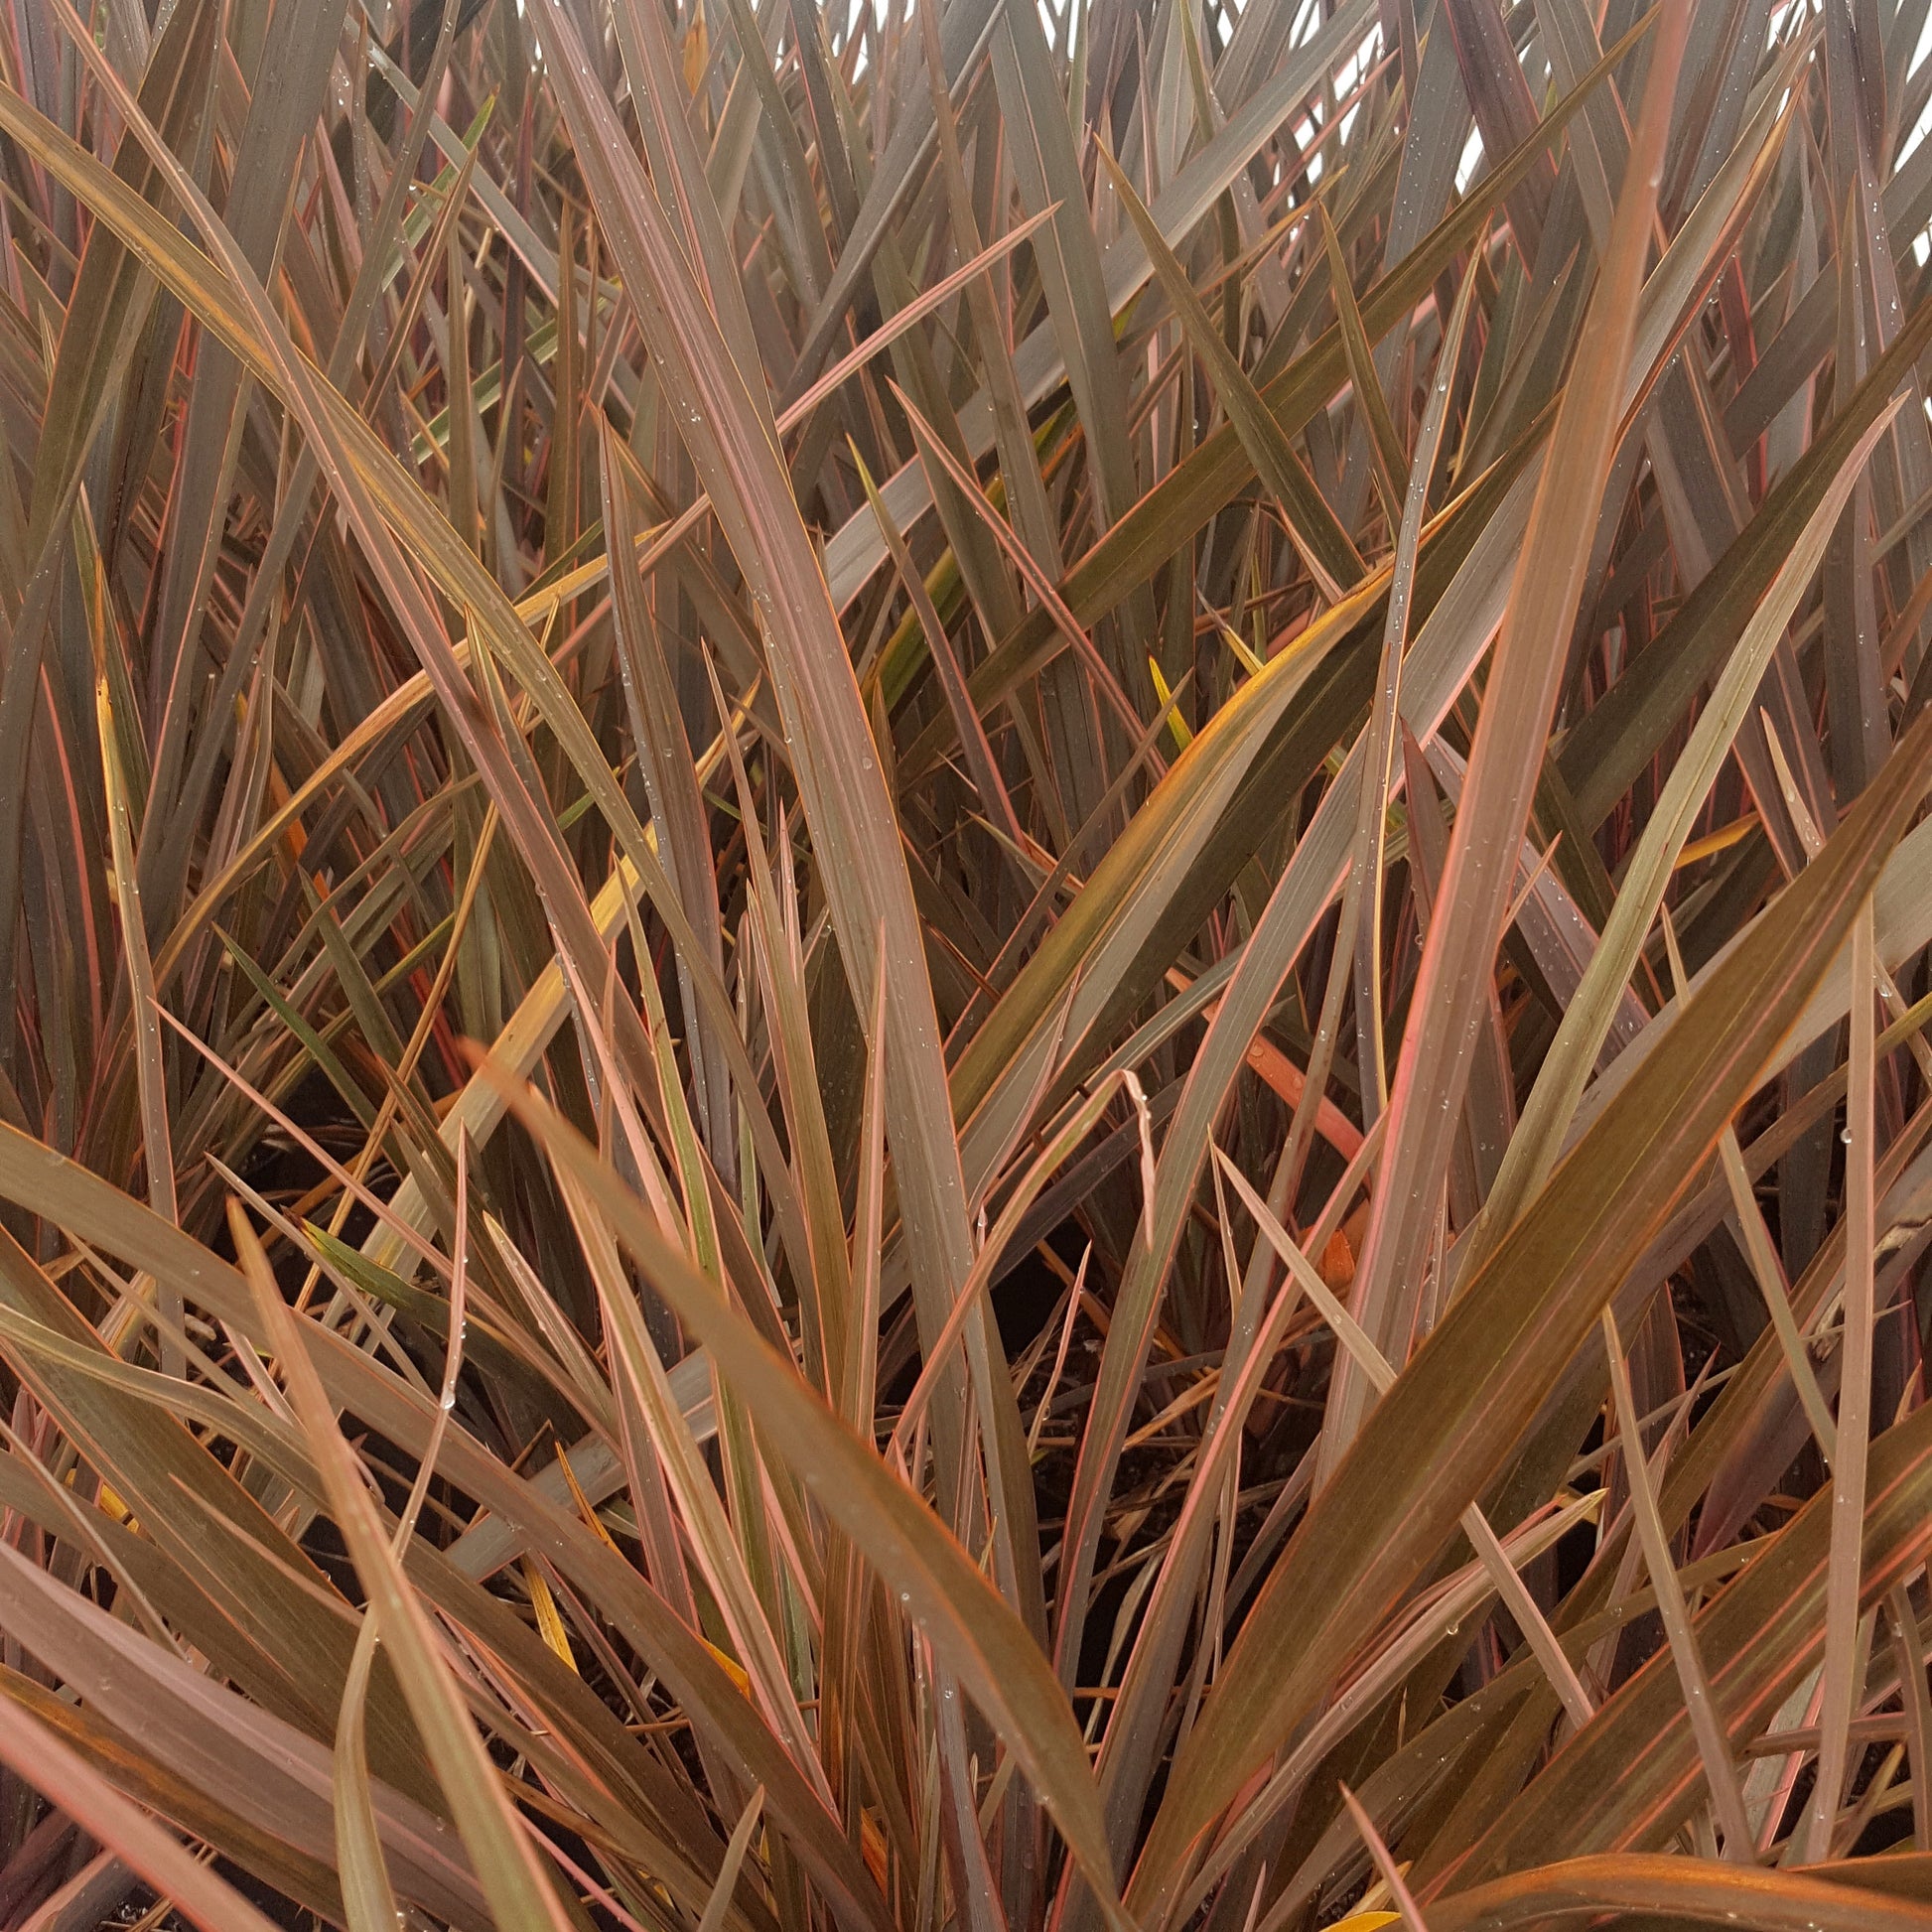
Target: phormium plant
<point>964,965</point>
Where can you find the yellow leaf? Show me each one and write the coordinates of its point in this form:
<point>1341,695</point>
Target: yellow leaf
<point>697,50</point>
<point>1720,840</point>
<point>1239,646</point>
<point>592,1520</point>
<point>1367,1922</point>
<point>872,1846</point>
<point>1182,737</point>
<point>550,1623</point>
<point>731,1667</point>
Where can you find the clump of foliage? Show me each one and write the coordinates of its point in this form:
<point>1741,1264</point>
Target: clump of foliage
<point>964,965</point>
